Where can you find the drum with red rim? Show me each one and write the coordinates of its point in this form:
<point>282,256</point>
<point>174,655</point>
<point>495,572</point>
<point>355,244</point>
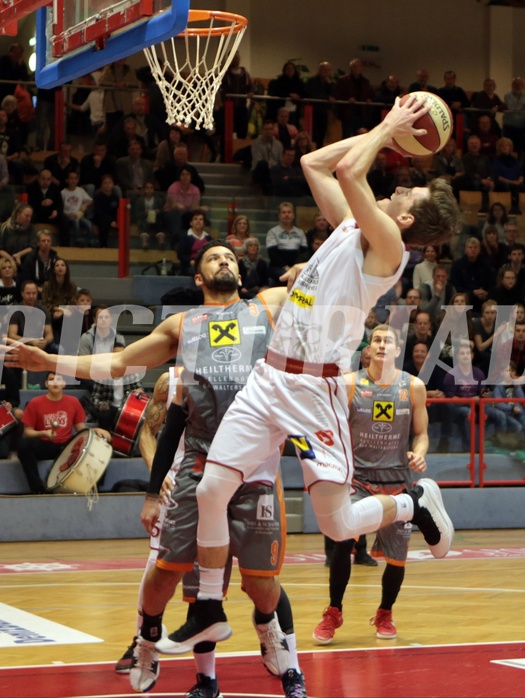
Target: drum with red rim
<point>129,422</point>
<point>81,464</point>
<point>7,420</point>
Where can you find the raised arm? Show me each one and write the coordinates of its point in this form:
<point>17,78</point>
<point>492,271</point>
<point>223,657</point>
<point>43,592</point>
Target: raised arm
<point>416,457</point>
<point>154,419</point>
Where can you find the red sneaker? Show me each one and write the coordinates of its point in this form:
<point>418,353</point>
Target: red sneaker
<point>325,631</point>
<point>385,626</point>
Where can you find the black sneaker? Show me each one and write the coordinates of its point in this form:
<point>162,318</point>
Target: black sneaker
<point>364,559</point>
<point>431,517</point>
<point>293,684</point>
<point>204,688</point>
<point>123,665</point>
<point>207,624</point>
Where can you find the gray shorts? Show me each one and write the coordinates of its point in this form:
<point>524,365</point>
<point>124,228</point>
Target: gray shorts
<point>256,520</point>
<point>391,541</point>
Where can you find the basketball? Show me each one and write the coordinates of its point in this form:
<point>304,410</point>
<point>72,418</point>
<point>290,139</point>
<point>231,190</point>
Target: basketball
<point>437,122</point>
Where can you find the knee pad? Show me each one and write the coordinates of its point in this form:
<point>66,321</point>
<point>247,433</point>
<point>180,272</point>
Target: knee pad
<point>214,492</point>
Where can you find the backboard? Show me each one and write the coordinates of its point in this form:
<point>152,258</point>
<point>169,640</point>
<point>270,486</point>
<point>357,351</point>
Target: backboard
<point>76,37</point>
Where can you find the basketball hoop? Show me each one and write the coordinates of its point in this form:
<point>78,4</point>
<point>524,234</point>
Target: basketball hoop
<point>191,66</point>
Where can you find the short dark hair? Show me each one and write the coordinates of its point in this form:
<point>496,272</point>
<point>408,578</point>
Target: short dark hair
<point>436,218</point>
<point>208,246</point>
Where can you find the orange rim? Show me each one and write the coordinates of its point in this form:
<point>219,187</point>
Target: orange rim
<point>236,24</point>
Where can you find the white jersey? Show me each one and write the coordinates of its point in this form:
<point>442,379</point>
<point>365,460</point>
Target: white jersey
<point>322,320</point>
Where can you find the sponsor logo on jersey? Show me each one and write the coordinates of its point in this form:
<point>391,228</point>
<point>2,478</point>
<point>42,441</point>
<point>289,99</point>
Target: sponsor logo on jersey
<point>366,393</point>
<point>256,329</point>
<point>303,300</point>
<point>326,437</point>
<point>364,381</point>
<point>199,318</point>
<point>195,338</point>
<point>265,507</point>
<point>224,332</point>
<point>403,410</point>
<point>383,411</point>
<point>381,427</point>
<point>303,445</point>
<point>226,355</point>
<point>364,410</point>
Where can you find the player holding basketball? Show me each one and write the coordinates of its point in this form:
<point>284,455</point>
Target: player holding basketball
<point>299,390</point>
<point>387,407</point>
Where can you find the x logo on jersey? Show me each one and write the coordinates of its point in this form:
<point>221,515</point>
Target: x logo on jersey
<point>224,332</point>
<point>383,411</point>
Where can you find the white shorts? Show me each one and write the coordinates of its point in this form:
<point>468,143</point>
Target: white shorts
<point>273,406</point>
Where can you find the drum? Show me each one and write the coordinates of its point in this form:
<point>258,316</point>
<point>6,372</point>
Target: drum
<point>7,421</point>
<point>81,464</point>
<point>129,422</point>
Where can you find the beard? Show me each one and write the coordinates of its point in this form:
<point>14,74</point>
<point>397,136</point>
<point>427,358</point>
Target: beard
<point>223,283</point>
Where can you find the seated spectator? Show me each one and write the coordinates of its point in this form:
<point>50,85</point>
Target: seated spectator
<point>487,135</point>
<point>252,268</point>
<point>49,421</point>
<point>514,117</point>
<point>134,171</point>
<point>239,233</point>
<point>497,217</point>
<point>506,387</point>
<point>119,142</point>
<point>386,95</point>
<point>423,271</point>
<point>506,330</point>
<point>58,291</point>
<point>283,130</point>
<point>477,174</point>
<point>284,243</point>
<point>516,262</point>
<point>414,299</point>
<point>289,86</point>
<point>147,210</point>
<point>148,127</point>
<point>472,274</point>
<point>321,86</point>
<point>32,322</point>
<point>10,106</point>
<point>492,251</point>
<point>380,178</point>
<point>9,291</point>
<point>510,233</point>
<point>506,291</point>
<point>514,349</point>
<point>84,301</point>
<point>447,163</point>
<point>94,104</point>
<point>317,240</point>
<point>437,293</point>
<point>171,171</point>
<point>45,198</point>
<point>105,210</point>
<point>108,395</point>
<point>421,331</point>
<point>37,264</point>
<point>17,234</point>
<point>421,170</point>
<point>266,153</point>
<point>100,338</point>
<point>508,172</point>
<point>4,172</point>
<point>464,381</point>
<point>11,148</point>
<point>286,179</point>
<point>76,203</point>
<point>463,321</point>
<point>370,322</point>
<point>182,198</point>
<point>302,145</point>
<point>321,225</point>
<point>192,242</point>
<point>484,335</point>
<point>60,164</point>
<point>94,166</point>
<point>452,94</point>
<point>489,102</point>
<point>167,146</point>
<point>415,365</point>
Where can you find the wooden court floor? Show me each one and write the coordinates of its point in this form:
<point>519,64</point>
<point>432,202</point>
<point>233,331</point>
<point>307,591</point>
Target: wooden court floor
<point>460,621</point>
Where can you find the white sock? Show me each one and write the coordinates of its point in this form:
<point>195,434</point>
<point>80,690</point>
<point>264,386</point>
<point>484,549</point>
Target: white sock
<point>291,641</point>
<point>205,663</point>
<point>405,507</point>
<point>211,583</point>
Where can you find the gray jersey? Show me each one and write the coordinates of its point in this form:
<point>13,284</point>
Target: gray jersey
<point>380,424</point>
<point>219,346</point>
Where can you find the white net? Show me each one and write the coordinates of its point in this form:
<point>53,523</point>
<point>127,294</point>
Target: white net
<point>189,68</point>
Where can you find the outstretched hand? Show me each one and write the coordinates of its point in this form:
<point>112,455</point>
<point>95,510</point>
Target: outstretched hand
<point>17,354</point>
